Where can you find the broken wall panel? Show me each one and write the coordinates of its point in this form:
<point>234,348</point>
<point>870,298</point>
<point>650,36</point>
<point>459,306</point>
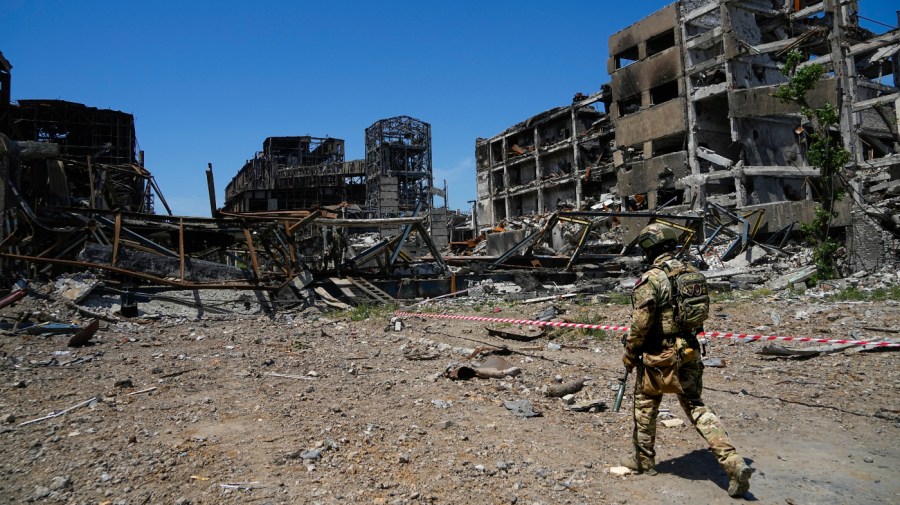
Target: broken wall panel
<point>760,101</point>
<point>630,44</point>
<point>638,128</point>
<point>649,175</point>
<point>661,68</point>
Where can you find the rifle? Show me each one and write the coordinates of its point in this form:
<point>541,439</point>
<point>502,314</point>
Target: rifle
<point>621,393</point>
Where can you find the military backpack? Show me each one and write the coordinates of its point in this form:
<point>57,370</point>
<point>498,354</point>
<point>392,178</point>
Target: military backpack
<point>690,295</point>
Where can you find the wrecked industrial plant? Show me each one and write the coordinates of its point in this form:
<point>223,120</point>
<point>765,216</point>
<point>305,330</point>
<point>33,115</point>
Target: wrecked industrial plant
<point>334,332</point>
<point>688,130</point>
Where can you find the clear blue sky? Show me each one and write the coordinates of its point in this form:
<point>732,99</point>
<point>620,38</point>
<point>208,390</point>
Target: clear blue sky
<point>208,81</point>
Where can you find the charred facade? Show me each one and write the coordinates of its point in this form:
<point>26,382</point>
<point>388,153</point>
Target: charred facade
<point>296,173</point>
<point>61,154</point>
<point>560,159</point>
<point>695,122</point>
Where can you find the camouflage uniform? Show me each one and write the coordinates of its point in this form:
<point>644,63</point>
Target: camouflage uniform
<point>653,329</point>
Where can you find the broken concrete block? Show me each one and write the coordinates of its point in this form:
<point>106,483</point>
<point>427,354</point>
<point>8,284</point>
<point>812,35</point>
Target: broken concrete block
<point>561,390</point>
<point>303,279</point>
<point>587,406</point>
<point>795,277</point>
<point>749,257</point>
<point>748,279</point>
<point>672,423</point>
<point>714,362</point>
<point>75,288</point>
<point>620,471</point>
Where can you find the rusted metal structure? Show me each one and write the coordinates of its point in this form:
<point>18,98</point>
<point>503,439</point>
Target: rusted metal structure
<point>75,196</point>
<point>93,156</point>
<point>398,167</point>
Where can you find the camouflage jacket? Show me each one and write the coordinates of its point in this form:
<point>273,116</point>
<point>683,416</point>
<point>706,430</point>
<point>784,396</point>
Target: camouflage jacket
<point>653,317</point>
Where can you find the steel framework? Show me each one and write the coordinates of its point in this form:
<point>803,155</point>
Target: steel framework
<point>398,167</point>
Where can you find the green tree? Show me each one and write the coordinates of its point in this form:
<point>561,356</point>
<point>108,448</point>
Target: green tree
<point>825,153</point>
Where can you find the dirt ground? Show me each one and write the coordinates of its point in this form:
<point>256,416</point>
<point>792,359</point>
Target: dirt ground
<point>314,407</point>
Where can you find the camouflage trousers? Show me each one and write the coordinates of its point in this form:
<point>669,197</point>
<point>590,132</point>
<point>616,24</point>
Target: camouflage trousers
<point>705,421</point>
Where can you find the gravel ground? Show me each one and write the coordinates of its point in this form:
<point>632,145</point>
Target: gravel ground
<point>314,407</point>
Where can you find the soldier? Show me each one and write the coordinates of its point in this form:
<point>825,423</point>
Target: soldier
<point>658,330</point>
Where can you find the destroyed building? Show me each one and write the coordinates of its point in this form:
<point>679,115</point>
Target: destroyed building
<point>695,123</point>
<point>550,162</point>
<point>69,151</point>
<point>65,170</point>
<point>75,196</point>
<point>399,178</point>
<point>296,173</point>
<point>394,180</point>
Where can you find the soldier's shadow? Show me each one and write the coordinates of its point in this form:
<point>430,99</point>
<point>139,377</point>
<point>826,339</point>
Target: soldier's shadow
<point>699,465</point>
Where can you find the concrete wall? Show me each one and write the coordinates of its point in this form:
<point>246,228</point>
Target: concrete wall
<point>483,206</point>
<point>759,101</point>
<point>563,193</point>
<point>645,74</point>
<point>774,189</point>
<point>645,175</point>
<point>653,123</point>
<point>781,214</point>
<point>870,246</point>
<point>439,232</point>
<point>499,243</point>
<point>523,204</point>
<point>630,37</point>
<point>769,143</point>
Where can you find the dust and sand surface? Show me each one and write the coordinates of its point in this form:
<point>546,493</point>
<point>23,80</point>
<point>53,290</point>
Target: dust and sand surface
<point>318,408</point>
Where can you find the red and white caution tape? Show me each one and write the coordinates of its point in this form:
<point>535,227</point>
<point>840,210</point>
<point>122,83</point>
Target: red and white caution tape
<point>711,334</point>
<point>581,326</point>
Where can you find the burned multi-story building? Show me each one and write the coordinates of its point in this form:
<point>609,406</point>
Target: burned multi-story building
<point>695,120</point>
<point>64,154</point>
<point>554,160</point>
<point>296,173</point>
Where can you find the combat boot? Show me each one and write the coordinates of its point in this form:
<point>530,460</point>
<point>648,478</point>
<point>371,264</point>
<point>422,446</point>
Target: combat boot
<point>647,468</point>
<point>738,476</point>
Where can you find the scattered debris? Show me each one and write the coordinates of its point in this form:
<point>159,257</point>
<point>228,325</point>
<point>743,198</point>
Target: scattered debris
<point>459,372</point>
<point>587,406</point>
<point>495,367</point>
<point>560,390</point>
<point>521,408</point>
<point>672,423</point>
<point>83,337</point>
<point>89,401</point>
<point>525,333</point>
<point>621,471</point>
<point>714,362</point>
<point>12,298</point>
<point>781,351</point>
<point>142,391</point>
<point>284,376</point>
